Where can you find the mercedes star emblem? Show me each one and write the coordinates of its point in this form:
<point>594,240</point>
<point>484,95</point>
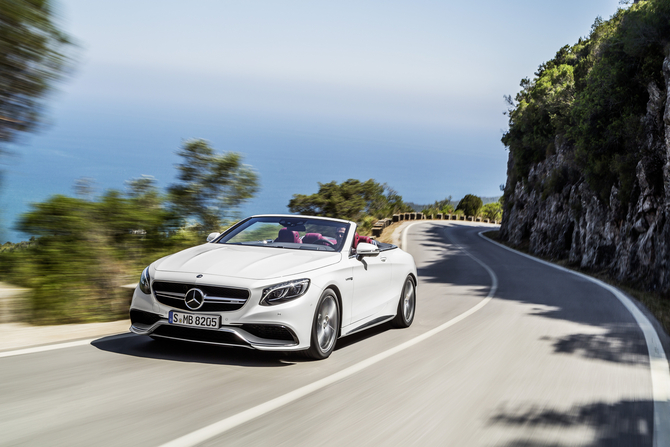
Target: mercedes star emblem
<point>194,299</point>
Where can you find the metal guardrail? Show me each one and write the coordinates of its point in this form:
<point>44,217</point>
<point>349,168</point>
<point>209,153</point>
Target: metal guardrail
<point>379,226</point>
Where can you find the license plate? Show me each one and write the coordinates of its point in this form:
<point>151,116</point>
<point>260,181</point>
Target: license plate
<point>194,320</point>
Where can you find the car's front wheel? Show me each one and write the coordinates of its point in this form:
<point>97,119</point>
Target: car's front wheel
<point>407,305</point>
<point>325,326</point>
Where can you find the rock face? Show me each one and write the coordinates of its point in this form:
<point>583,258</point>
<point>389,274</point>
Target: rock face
<point>560,217</point>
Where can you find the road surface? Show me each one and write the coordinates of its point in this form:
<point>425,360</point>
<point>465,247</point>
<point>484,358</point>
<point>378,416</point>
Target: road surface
<point>503,351</point>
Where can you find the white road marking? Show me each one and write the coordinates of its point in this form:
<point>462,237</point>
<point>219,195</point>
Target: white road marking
<point>70,344</point>
<point>34,350</point>
<point>231,422</point>
<point>658,362</point>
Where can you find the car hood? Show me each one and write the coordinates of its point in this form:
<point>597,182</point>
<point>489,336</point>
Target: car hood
<point>245,261</point>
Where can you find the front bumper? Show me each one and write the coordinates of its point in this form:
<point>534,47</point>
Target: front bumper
<point>282,327</point>
<point>254,336</point>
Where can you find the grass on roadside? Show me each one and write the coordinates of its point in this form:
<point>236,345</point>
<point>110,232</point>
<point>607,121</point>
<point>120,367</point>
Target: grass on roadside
<point>657,304</point>
<point>387,234</point>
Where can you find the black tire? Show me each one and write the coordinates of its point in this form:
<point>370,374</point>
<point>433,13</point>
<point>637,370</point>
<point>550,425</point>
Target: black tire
<point>325,327</point>
<point>406,305</point>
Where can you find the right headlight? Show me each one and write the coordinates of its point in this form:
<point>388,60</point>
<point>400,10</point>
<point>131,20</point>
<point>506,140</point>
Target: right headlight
<point>145,281</point>
<point>286,291</point>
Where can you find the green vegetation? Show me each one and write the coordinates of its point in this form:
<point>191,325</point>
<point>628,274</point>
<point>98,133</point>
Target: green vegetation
<point>592,98</point>
<point>211,186</point>
<point>86,249</point>
<point>363,202</point>
<point>445,206</point>
<point>471,205</point>
<point>492,211</point>
<point>32,58</point>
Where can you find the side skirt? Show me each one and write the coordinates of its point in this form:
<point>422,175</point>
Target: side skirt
<point>371,323</point>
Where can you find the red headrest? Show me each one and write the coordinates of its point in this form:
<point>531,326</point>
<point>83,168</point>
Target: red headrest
<point>366,239</point>
<point>286,235</point>
<point>310,238</point>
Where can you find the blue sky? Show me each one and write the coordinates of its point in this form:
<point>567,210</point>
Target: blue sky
<point>408,93</point>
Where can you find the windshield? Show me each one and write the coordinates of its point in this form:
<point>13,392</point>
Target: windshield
<point>299,233</point>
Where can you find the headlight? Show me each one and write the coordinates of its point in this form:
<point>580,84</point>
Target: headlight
<point>145,281</point>
<point>286,291</point>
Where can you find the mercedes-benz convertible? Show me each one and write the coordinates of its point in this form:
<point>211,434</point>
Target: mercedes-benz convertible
<point>277,283</point>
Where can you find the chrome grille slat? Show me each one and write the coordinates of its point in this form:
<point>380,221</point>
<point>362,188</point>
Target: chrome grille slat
<point>218,299</point>
<point>173,294</point>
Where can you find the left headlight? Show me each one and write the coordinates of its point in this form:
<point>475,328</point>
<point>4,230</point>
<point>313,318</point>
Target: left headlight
<point>145,281</point>
<point>286,291</point>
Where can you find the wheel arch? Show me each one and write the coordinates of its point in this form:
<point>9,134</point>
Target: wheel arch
<point>414,280</point>
<point>338,295</point>
<point>413,277</point>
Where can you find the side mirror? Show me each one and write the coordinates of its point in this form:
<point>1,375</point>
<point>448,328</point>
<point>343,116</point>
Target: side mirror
<point>212,236</point>
<point>365,249</point>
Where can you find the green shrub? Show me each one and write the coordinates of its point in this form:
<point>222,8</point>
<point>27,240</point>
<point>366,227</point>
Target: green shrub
<point>470,205</point>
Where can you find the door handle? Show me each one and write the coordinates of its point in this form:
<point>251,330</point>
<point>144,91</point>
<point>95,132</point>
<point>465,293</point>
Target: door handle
<point>383,259</point>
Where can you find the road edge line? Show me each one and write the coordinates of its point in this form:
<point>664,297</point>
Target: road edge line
<point>45,348</point>
<point>658,362</point>
<point>56,346</point>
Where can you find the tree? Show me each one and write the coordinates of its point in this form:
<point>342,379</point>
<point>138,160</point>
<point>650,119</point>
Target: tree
<point>388,203</point>
<point>492,211</point>
<point>211,186</point>
<point>440,206</point>
<point>447,209</point>
<point>85,250</point>
<point>32,59</point>
<point>351,200</point>
<point>470,204</point>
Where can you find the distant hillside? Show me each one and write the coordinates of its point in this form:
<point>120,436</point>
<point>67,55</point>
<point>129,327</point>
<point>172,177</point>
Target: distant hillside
<point>588,175</point>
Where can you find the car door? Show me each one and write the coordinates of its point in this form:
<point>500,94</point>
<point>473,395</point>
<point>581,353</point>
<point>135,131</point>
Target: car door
<point>371,277</point>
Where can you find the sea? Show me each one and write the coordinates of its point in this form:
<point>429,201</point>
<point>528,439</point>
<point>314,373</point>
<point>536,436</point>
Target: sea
<point>292,153</point>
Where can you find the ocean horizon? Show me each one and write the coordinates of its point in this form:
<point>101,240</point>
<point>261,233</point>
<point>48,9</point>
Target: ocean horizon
<point>291,154</point>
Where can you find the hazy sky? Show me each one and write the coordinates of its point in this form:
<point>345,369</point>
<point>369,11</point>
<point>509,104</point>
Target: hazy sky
<point>439,63</point>
<point>408,93</point>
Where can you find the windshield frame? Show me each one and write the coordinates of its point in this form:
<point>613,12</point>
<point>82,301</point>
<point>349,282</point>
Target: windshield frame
<point>242,225</point>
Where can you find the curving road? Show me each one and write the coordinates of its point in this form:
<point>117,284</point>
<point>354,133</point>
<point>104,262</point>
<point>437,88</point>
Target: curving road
<point>503,351</point>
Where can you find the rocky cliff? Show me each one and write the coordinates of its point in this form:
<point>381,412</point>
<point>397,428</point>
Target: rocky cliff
<point>556,212</point>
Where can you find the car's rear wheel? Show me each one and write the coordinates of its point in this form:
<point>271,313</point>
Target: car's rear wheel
<point>407,305</point>
<point>325,326</point>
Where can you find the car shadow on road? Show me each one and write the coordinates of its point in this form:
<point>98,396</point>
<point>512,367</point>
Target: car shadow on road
<point>178,351</point>
<point>181,351</point>
<point>625,423</point>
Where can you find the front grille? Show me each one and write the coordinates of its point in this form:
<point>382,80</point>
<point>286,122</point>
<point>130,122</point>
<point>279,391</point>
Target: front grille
<point>270,332</point>
<point>204,335</point>
<point>217,299</point>
<point>142,317</point>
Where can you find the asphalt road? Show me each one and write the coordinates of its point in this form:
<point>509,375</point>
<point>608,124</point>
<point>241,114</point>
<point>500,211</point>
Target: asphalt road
<point>543,358</point>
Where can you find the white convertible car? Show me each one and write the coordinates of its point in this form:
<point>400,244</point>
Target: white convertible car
<point>277,283</point>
